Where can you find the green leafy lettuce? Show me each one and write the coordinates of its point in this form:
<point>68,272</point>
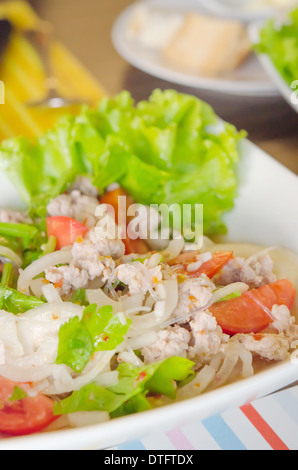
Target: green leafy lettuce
<point>167,149</point>
<point>281,45</point>
<point>98,330</point>
<point>130,394</point>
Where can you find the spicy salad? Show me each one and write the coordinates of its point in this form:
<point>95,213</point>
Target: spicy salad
<point>94,326</point>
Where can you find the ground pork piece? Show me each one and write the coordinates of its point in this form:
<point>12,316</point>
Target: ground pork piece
<point>267,346</point>
<point>87,256</point>
<point>171,342</point>
<point>74,205</point>
<point>138,277</point>
<point>91,258</point>
<point>87,264</point>
<point>106,246</point>
<point>194,294</point>
<point>255,272</point>
<point>13,217</point>
<point>207,337</point>
<point>67,278</point>
<point>84,185</point>
<point>282,318</point>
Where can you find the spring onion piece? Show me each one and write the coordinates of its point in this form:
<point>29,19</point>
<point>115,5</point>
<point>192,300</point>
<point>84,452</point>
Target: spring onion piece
<point>235,295</point>
<point>18,230</point>
<point>7,275</point>
<point>50,246</point>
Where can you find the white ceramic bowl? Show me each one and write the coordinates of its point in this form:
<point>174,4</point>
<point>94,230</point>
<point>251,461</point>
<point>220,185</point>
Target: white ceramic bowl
<point>289,94</point>
<point>265,214</point>
<point>244,10</point>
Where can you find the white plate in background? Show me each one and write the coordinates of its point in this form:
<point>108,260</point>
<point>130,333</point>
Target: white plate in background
<point>250,79</point>
<point>266,214</point>
<point>246,10</point>
<point>290,94</point>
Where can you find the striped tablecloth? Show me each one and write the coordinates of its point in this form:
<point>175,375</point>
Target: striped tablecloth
<point>270,423</point>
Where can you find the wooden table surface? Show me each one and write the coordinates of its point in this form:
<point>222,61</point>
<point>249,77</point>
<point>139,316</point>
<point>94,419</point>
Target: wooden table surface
<point>84,26</point>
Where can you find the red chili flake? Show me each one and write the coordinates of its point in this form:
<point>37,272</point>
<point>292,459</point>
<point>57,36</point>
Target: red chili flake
<point>258,337</point>
<point>142,376</point>
<point>105,338</point>
<point>58,284</point>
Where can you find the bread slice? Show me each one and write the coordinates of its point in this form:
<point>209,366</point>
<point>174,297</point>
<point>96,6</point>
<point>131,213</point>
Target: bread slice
<point>153,28</point>
<point>208,46</point>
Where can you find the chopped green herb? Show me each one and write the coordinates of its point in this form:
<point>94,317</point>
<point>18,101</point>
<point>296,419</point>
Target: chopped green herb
<point>98,330</point>
<point>18,394</point>
<point>15,302</point>
<point>129,395</point>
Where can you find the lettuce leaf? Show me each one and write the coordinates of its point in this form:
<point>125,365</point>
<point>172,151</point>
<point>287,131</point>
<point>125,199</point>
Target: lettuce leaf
<point>281,45</point>
<point>167,149</point>
<point>129,395</point>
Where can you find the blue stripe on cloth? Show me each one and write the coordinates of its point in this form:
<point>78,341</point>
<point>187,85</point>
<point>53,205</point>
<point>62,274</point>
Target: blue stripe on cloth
<point>223,434</point>
<point>132,445</point>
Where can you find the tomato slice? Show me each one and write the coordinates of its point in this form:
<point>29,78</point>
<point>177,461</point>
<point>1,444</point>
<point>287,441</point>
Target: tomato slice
<point>65,229</point>
<point>137,246</point>
<point>25,416</point>
<point>210,268</point>
<point>112,198</point>
<point>247,314</point>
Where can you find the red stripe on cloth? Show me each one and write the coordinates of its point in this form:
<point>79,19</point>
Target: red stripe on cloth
<point>263,427</point>
<point>179,440</point>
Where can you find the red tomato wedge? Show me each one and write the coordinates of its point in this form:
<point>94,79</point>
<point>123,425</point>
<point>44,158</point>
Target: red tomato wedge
<point>247,314</point>
<point>112,198</point>
<point>137,246</point>
<point>25,416</point>
<point>210,268</point>
<point>65,229</point>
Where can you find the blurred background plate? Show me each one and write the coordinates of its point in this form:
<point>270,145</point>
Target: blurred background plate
<point>246,10</point>
<point>250,79</point>
<point>289,94</point>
